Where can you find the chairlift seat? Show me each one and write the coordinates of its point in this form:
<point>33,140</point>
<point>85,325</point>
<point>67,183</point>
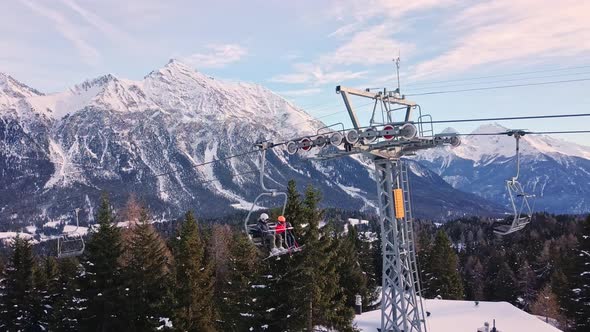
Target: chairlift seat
<point>72,243</point>
<point>505,228</point>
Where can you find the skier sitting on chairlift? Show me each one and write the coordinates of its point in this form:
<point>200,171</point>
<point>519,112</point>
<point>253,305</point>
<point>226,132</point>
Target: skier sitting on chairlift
<point>267,235</point>
<point>280,232</point>
<point>285,227</point>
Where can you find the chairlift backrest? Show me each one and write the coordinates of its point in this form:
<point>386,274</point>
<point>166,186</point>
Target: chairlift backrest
<point>250,221</point>
<point>71,244</point>
<point>519,199</point>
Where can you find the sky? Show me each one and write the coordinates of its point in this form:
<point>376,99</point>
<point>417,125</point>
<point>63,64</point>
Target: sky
<point>303,49</point>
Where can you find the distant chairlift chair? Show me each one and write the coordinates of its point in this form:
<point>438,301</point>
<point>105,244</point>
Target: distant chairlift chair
<point>519,199</point>
<point>71,244</point>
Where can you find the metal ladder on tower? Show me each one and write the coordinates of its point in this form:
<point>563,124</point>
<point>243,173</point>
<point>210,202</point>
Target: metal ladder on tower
<point>405,180</point>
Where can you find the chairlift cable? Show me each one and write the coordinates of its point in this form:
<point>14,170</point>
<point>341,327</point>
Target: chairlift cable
<point>499,75</point>
<point>530,79</point>
<point>499,87</point>
<point>550,116</point>
<point>524,131</point>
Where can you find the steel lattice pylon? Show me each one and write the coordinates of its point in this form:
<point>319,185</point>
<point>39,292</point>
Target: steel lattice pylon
<point>385,141</point>
<point>401,304</point>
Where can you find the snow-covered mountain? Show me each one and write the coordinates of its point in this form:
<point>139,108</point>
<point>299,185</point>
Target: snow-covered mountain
<point>59,151</point>
<point>556,171</point>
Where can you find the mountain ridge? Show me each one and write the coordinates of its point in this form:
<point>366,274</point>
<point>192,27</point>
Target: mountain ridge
<point>556,171</point>
<point>61,150</point>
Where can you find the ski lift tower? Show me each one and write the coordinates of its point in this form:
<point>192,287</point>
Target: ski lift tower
<point>385,141</point>
<point>401,304</point>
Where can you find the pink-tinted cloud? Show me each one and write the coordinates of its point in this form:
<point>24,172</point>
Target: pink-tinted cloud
<point>507,31</point>
<point>68,30</point>
<point>218,55</point>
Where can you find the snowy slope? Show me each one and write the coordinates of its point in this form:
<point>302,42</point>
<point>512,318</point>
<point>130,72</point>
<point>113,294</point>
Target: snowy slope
<point>106,92</point>
<point>486,148</point>
<point>556,171</point>
<point>465,316</point>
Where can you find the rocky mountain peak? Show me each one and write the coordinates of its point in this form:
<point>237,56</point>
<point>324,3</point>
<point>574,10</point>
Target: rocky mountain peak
<point>100,81</point>
<point>490,128</point>
<point>12,88</point>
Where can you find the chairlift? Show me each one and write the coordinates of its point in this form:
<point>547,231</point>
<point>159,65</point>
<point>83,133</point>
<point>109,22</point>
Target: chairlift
<point>519,199</point>
<point>250,223</point>
<point>70,244</point>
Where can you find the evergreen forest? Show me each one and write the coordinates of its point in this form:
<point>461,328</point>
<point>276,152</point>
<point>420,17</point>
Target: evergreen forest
<point>192,275</point>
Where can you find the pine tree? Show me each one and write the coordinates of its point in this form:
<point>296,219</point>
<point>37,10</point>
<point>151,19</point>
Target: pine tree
<point>66,298</point>
<point>366,252</point>
<point>526,283</point>
<point>474,279</point>
<point>580,278</point>
<point>352,279</point>
<point>444,264</point>
<point>424,250</point>
<point>219,247</point>
<point>503,286</point>
<point>238,303</point>
<point>45,276</point>
<point>194,283</point>
<point>314,277</point>
<point>102,282</point>
<point>18,295</point>
<point>294,209</point>
<point>147,278</point>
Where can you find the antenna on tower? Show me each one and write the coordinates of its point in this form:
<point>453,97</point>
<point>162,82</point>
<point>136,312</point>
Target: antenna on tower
<point>397,60</point>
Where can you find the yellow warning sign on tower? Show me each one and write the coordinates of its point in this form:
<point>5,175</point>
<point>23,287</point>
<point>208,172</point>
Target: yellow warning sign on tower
<point>398,199</point>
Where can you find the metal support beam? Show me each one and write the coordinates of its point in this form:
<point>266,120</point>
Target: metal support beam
<point>388,98</point>
<point>351,113</point>
<point>401,306</point>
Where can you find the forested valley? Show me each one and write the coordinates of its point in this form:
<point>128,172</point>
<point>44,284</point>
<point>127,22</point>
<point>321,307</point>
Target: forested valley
<point>193,275</point>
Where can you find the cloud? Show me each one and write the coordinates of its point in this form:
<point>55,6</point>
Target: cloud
<point>219,55</point>
<point>316,75</point>
<point>362,13</point>
<point>108,29</point>
<point>372,46</point>
<point>68,30</point>
<point>507,31</point>
<point>301,92</point>
<point>346,29</point>
<point>366,48</point>
<point>368,40</point>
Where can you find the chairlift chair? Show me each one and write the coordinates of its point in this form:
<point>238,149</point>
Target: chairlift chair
<point>71,244</point>
<point>250,223</point>
<point>519,199</point>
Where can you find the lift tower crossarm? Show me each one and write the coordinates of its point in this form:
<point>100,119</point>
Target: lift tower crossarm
<point>385,96</point>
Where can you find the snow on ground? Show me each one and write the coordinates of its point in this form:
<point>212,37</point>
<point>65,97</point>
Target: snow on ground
<point>8,236</point>
<point>354,222</point>
<point>357,193</point>
<point>465,316</point>
<point>72,228</point>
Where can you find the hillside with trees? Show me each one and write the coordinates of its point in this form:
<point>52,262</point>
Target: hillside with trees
<point>192,275</point>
